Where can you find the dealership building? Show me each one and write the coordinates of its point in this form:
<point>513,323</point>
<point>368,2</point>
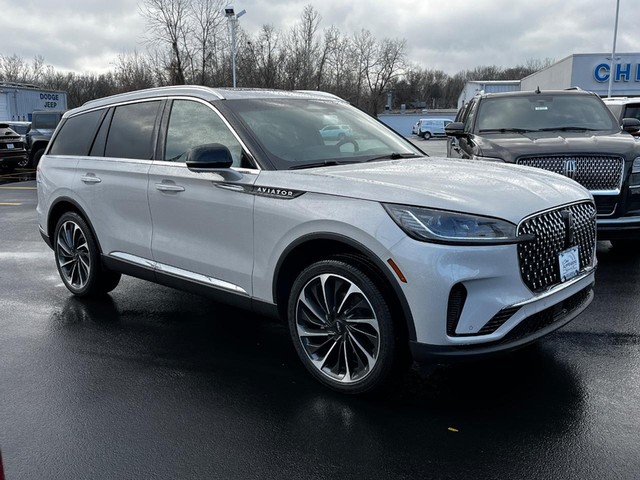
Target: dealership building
<point>588,71</point>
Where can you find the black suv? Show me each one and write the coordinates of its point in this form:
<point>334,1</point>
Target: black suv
<point>43,123</point>
<point>570,132</point>
<point>12,149</point>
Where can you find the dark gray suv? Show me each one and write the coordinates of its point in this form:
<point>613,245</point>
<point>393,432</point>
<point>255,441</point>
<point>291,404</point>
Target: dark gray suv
<point>569,132</point>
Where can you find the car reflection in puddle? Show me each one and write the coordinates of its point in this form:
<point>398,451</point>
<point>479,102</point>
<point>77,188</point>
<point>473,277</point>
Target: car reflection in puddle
<point>17,176</point>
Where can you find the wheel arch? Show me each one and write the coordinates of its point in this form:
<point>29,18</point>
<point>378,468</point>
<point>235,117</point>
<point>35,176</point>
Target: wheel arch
<point>313,247</point>
<point>61,206</point>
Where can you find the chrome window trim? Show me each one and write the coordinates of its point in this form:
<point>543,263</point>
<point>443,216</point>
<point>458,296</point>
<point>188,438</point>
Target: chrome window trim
<point>178,272</point>
<point>224,120</point>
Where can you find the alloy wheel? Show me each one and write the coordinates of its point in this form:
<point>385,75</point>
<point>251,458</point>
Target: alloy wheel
<point>73,255</point>
<point>337,328</point>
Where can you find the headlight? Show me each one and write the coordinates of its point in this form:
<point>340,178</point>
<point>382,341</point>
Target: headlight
<point>440,226</point>
<point>487,159</point>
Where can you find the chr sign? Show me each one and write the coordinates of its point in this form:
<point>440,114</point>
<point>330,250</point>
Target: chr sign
<point>622,72</point>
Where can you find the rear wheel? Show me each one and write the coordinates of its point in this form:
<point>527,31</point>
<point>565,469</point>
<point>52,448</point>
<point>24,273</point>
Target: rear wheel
<point>341,327</point>
<point>78,258</point>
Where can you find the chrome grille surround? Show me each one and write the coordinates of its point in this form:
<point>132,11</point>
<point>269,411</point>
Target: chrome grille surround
<point>598,173</point>
<point>539,264</point>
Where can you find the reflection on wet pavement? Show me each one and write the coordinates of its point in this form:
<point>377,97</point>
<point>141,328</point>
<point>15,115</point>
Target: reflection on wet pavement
<point>20,175</point>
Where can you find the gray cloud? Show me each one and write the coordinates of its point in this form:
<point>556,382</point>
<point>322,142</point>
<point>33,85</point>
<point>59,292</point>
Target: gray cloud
<point>452,35</point>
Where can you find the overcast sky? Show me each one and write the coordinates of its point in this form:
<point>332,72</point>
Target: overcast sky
<point>450,35</point>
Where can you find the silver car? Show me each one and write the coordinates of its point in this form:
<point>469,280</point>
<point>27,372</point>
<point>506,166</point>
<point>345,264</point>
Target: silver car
<point>372,252</point>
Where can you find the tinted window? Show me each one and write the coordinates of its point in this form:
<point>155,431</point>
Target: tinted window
<point>131,131</point>
<point>76,134</point>
<point>46,120</point>
<point>632,111</point>
<point>192,124</point>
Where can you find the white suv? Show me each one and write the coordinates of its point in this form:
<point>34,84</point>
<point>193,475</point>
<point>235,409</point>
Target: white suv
<point>367,248</point>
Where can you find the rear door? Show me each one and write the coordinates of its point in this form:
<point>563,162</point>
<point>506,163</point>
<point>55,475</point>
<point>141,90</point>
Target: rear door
<point>202,221</point>
<point>109,151</point>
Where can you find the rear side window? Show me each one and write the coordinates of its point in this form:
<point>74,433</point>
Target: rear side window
<point>76,134</point>
<point>131,132</point>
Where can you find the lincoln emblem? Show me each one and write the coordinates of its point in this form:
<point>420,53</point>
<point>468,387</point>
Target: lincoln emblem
<point>570,168</point>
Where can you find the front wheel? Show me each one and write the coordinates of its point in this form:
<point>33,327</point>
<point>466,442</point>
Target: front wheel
<point>36,158</point>
<point>426,135</point>
<point>341,327</point>
<point>78,258</point>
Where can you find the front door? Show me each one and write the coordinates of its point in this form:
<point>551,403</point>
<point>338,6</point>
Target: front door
<point>202,222</point>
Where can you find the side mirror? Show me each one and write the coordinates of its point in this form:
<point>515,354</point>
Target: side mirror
<point>211,156</point>
<point>455,129</point>
<point>631,125</point>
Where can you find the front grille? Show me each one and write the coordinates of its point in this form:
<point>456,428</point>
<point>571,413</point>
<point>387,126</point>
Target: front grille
<point>605,205</point>
<point>595,172</point>
<point>553,233</point>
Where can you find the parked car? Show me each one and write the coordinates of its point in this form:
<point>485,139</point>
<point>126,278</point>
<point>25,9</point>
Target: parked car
<point>12,149</point>
<point>43,123</point>
<point>570,132</point>
<point>336,132</point>
<point>369,250</point>
<point>624,107</point>
<point>21,128</point>
<point>432,127</point>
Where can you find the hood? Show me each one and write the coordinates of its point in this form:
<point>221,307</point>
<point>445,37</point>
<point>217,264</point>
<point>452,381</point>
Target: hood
<point>510,192</point>
<point>510,146</point>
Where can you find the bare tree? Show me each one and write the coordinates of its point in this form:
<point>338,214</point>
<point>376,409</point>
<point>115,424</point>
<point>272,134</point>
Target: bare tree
<point>167,22</point>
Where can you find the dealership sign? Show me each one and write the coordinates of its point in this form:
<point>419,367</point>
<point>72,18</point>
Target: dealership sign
<point>622,72</point>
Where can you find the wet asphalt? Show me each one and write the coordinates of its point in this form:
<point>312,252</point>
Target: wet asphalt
<point>154,383</point>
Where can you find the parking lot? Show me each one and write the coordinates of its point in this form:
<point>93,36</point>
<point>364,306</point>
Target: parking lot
<point>155,383</point>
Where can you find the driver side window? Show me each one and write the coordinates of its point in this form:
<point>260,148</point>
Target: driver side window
<point>192,124</point>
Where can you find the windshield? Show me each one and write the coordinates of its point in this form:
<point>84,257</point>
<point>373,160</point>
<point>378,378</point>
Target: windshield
<point>45,120</point>
<point>543,112</point>
<point>299,133</point>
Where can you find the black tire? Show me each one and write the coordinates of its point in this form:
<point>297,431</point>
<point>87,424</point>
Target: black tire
<point>78,258</point>
<point>426,135</point>
<point>35,160</point>
<point>346,339</point>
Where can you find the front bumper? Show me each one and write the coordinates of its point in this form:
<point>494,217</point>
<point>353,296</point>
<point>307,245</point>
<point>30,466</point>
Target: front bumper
<point>526,332</point>
<point>497,311</point>
<point>618,228</point>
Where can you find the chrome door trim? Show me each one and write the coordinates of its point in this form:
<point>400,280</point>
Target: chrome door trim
<point>178,272</point>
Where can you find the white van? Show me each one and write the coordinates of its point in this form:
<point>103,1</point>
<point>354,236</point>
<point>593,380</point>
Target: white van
<point>432,127</point>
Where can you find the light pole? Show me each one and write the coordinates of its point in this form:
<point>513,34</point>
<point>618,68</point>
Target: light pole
<point>233,24</point>
<point>613,54</point>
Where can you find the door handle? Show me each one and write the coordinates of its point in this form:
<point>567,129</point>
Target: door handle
<point>167,187</point>
<point>90,178</point>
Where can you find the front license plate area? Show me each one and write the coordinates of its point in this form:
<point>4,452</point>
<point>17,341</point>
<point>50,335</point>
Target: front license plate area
<point>569,261</point>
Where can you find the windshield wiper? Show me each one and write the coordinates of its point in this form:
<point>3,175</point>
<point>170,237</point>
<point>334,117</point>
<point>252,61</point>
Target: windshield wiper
<point>326,163</point>
<point>568,129</point>
<point>394,156</point>
<point>507,130</point>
